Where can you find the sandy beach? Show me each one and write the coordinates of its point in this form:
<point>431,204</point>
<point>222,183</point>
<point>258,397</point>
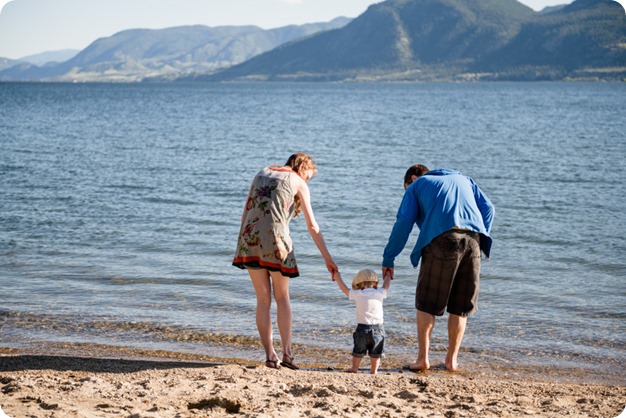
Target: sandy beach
<point>76,386</point>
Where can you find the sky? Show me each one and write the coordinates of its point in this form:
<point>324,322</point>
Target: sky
<point>29,27</point>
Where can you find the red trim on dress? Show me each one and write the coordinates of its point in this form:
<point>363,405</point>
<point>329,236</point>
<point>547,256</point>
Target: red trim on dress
<point>262,263</point>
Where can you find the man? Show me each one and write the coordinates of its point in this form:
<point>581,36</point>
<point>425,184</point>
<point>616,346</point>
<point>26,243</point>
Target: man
<point>454,218</point>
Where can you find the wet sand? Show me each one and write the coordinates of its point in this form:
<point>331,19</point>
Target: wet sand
<point>160,384</point>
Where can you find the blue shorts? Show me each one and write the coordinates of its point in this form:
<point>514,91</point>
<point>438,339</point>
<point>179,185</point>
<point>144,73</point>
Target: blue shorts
<point>369,339</point>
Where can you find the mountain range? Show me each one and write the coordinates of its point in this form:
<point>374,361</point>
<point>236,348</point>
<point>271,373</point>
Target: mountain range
<point>423,40</point>
<point>140,54</point>
<point>395,40</point>
<point>40,59</point>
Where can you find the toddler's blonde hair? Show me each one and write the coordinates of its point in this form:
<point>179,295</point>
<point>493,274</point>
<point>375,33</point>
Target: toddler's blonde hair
<point>365,279</point>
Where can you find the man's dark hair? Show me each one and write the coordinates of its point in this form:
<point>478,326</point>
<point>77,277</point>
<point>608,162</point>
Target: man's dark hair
<point>417,170</point>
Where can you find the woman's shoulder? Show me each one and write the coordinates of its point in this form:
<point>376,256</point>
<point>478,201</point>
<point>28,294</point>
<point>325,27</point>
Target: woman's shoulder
<point>283,173</point>
<point>279,169</point>
<point>264,171</point>
<point>297,182</point>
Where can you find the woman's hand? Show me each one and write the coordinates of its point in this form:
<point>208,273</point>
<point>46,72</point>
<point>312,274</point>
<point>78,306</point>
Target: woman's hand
<point>332,268</point>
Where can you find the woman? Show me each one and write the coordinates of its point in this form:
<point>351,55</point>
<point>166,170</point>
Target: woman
<point>265,249</point>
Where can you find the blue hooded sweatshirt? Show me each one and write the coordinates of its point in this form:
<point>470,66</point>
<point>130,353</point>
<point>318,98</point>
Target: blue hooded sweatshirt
<point>437,202</point>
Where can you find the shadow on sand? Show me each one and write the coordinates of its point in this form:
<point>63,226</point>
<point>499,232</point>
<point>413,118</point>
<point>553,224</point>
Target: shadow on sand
<point>96,365</point>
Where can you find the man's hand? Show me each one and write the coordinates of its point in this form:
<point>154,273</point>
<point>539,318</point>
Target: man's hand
<point>388,271</point>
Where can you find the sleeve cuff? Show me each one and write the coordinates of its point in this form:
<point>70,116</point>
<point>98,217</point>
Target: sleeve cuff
<point>388,262</point>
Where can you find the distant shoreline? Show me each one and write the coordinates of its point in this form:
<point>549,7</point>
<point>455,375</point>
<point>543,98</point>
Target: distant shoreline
<point>599,76</point>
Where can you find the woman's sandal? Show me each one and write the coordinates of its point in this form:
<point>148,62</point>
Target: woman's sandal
<point>272,364</point>
<point>289,364</point>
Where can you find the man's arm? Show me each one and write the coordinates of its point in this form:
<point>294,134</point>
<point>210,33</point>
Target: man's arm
<point>486,208</point>
<point>405,219</point>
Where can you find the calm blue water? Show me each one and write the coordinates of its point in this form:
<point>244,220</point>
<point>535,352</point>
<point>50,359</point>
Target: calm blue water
<point>120,207</point>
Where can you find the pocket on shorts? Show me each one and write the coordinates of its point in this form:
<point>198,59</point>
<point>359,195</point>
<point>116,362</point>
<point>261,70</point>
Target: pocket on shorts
<point>444,248</point>
<point>474,245</point>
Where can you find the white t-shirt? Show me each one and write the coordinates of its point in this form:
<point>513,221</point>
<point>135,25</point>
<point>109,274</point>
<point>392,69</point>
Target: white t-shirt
<point>369,305</point>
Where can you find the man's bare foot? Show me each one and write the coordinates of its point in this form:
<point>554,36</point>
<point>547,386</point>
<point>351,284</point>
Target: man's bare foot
<point>451,365</point>
<point>417,367</point>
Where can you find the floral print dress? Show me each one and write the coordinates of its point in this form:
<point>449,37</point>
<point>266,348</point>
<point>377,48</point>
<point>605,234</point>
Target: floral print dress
<point>264,240</point>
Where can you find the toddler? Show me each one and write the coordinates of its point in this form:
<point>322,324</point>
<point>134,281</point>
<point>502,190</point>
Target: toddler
<point>369,337</point>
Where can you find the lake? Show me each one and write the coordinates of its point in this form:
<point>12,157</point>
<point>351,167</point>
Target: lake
<point>120,207</point>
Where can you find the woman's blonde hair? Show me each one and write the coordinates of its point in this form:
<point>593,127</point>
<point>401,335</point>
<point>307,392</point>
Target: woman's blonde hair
<point>299,163</point>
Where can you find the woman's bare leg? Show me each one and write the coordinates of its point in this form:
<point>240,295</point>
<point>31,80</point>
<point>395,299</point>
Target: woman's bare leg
<point>283,311</point>
<point>263,289</point>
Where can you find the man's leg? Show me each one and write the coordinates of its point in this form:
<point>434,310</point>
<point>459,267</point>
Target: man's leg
<point>425,325</point>
<point>463,299</point>
<point>456,329</point>
<point>431,296</point>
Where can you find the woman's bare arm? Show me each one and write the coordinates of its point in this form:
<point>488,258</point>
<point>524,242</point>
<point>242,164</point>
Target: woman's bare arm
<point>302,189</point>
